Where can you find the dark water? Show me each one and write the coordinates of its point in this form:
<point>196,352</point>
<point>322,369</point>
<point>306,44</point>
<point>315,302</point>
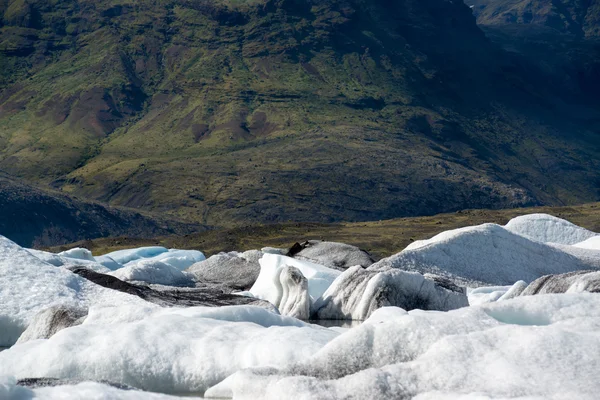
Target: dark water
<point>3,348</point>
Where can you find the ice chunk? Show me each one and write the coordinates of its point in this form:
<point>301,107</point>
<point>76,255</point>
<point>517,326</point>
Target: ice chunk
<point>592,243</point>
<point>357,293</point>
<point>294,301</point>
<point>52,320</point>
<point>68,262</point>
<point>483,255</point>
<point>180,259</point>
<point>572,282</point>
<point>29,285</point>
<point>127,255</point>
<point>172,350</point>
<point>78,253</point>
<point>267,286</point>
<point>536,346</point>
<point>548,229</point>
<point>152,271</point>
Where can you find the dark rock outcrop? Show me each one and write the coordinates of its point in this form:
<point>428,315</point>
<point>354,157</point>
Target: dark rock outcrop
<point>334,255</point>
<point>175,297</point>
<point>237,271</point>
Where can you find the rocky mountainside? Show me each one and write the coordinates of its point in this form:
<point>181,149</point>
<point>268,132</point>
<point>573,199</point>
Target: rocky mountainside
<point>34,217</point>
<point>222,111</point>
<point>577,17</point>
<point>559,38</point>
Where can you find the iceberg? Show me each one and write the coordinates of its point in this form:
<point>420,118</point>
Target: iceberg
<point>548,229</point>
<point>152,271</point>
<point>484,255</point>
<point>268,286</point>
<point>29,285</point>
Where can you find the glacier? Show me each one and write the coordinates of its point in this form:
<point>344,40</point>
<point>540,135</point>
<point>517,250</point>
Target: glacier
<point>481,312</point>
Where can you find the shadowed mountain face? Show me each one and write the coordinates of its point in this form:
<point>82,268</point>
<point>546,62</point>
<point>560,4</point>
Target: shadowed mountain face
<point>558,38</point>
<point>34,217</point>
<point>577,17</point>
<point>273,110</point>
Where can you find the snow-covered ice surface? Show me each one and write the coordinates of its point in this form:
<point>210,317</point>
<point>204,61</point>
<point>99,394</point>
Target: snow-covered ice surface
<point>548,229</point>
<point>489,254</point>
<point>172,351</point>
<point>592,243</point>
<point>127,255</point>
<point>29,285</point>
<point>180,259</point>
<point>268,286</point>
<point>516,332</point>
<point>152,271</point>
<point>524,347</point>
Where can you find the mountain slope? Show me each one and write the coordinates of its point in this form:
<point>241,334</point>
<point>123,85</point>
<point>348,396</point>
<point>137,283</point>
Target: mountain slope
<point>576,17</point>
<point>274,110</point>
<point>34,217</point>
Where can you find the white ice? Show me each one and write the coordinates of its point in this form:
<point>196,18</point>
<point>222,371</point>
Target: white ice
<point>29,285</point>
<point>152,271</point>
<point>488,254</point>
<point>267,285</point>
<point>127,255</point>
<point>78,253</point>
<point>169,350</point>
<point>548,229</point>
<point>533,346</point>
<point>180,259</point>
<point>592,243</point>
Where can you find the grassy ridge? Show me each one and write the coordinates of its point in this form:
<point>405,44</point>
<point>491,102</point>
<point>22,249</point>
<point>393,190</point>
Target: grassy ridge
<point>380,238</point>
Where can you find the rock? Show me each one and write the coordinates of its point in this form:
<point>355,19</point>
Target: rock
<point>358,292</point>
<point>180,297</point>
<point>51,320</point>
<point>34,383</point>
<point>335,255</point>
<point>571,282</point>
<point>294,301</point>
<point>238,271</point>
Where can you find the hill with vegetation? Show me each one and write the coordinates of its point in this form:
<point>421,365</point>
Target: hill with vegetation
<point>380,238</point>
<point>38,217</point>
<point>228,112</point>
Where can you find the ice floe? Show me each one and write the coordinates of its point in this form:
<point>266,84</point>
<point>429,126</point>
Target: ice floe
<point>173,351</point>
<point>524,347</point>
<point>548,229</point>
<point>29,285</point>
<point>488,254</point>
<point>152,271</point>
